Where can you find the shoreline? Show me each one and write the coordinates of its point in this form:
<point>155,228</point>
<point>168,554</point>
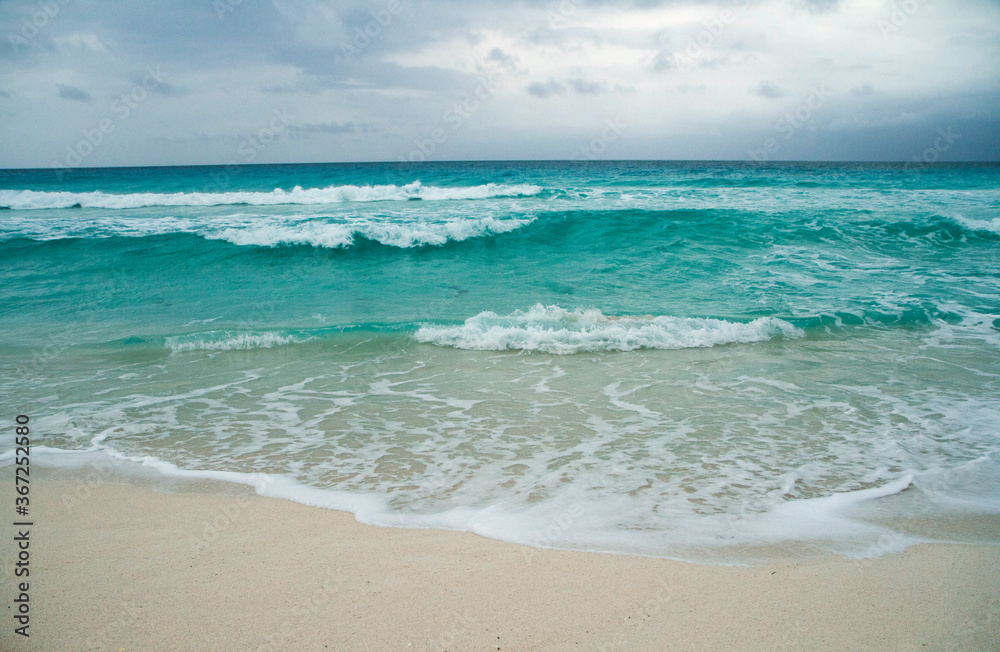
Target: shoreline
<point>902,529</point>
<point>220,567</point>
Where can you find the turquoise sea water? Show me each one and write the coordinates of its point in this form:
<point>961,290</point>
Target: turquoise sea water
<point>676,359</point>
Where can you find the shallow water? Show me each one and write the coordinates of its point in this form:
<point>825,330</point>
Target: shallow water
<point>683,360</point>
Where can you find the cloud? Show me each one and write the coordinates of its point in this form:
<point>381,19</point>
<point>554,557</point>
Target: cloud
<point>329,128</point>
<point>506,61</point>
<point>73,93</point>
<point>678,71</point>
<point>863,91</point>
<point>664,61</point>
<point>578,85</point>
<point>769,90</point>
<point>585,87</point>
<point>819,6</point>
<point>161,87</point>
<point>79,42</point>
<point>547,89</point>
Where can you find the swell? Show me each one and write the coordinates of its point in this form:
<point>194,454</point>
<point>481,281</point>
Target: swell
<point>588,228</point>
<point>541,329</point>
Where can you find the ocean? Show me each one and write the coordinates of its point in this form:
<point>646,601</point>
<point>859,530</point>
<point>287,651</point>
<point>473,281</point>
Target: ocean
<point>693,360</point>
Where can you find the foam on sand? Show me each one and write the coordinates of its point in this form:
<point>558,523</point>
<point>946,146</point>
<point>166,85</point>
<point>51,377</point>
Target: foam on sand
<point>561,522</point>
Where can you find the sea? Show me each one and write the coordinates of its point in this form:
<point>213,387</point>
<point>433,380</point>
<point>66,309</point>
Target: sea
<point>710,361</point>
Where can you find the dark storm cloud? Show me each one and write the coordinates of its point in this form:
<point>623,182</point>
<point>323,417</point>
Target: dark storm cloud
<point>366,79</point>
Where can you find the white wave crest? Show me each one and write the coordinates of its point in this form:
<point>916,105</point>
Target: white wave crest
<point>394,234</point>
<point>228,341</point>
<point>268,230</point>
<point>992,225</point>
<point>31,199</point>
<point>551,329</point>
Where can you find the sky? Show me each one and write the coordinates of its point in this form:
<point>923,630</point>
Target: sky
<point>86,83</point>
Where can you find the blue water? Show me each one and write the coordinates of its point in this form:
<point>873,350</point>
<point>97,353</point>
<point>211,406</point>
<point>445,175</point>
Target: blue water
<point>696,357</point>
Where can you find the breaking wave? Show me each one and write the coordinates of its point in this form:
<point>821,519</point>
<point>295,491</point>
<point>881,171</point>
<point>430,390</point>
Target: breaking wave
<point>31,199</point>
<point>551,329</point>
<point>229,341</point>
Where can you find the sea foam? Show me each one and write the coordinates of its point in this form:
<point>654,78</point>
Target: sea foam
<point>990,226</point>
<point>551,329</point>
<point>228,341</point>
<point>334,235</point>
<point>270,230</point>
<point>31,199</point>
<point>550,524</point>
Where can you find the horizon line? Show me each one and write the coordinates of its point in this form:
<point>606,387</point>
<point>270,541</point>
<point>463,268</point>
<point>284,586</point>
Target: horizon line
<point>920,163</point>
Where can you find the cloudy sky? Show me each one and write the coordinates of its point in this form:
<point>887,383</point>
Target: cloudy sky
<point>118,82</point>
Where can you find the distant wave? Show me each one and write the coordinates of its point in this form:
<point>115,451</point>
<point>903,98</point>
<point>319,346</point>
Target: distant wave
<point>229,341</point>
<point>551,329</point>
<point>31,199</point>
<point>393,234</point>
<point>270,231</point>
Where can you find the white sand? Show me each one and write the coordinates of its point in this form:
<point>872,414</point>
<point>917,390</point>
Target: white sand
<point>127,568</point>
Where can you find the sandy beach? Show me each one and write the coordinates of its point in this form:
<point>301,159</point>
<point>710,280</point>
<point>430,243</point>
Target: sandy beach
<point>563,325</point>
<point>215,567</point>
